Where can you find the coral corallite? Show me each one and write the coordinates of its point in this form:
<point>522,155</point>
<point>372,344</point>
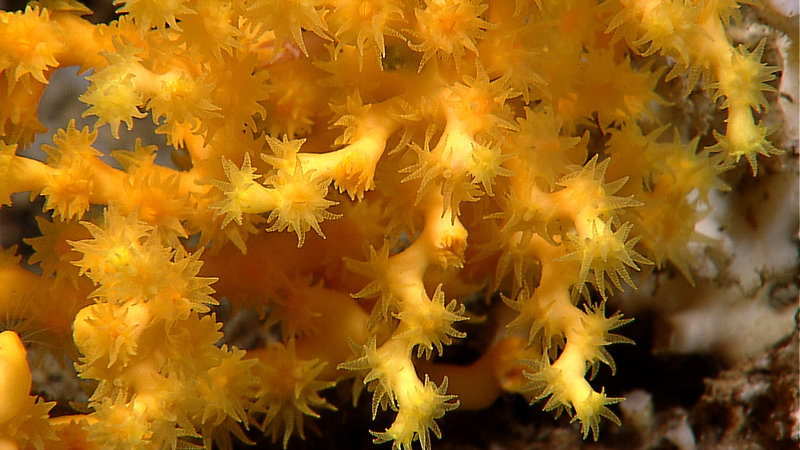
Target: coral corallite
<point>364,174</point>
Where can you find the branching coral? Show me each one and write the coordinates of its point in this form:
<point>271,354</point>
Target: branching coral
<point>510,149</point>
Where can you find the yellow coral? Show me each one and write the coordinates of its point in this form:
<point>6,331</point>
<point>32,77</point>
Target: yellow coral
<point>23,418</point>
<point>24,51</point>
<point>521,152</point>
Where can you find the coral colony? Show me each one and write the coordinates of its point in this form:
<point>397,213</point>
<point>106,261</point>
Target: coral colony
<point>362,172</point>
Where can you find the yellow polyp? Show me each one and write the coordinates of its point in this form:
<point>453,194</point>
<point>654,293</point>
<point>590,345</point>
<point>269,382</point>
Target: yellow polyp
<point>741,130</point>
